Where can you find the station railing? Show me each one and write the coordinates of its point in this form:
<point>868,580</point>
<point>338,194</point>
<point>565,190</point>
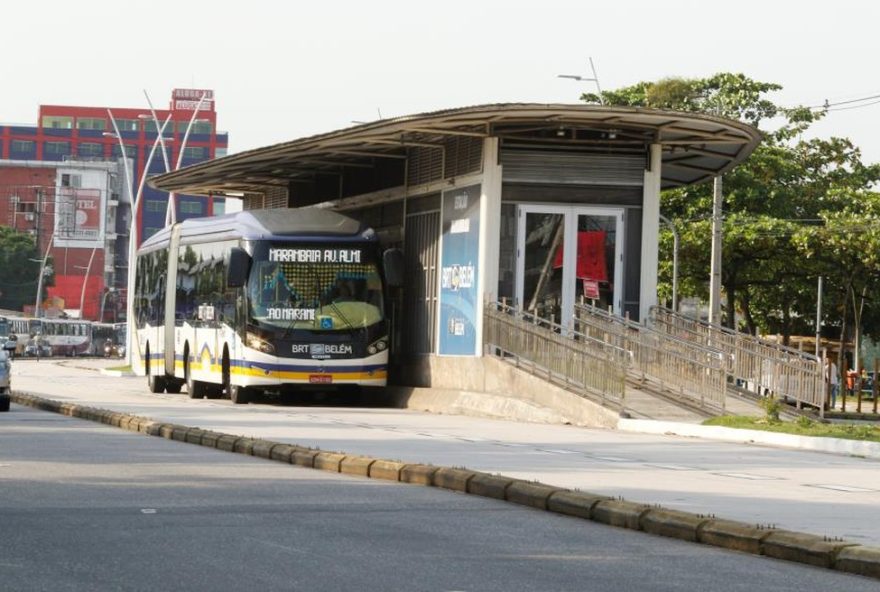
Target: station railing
<point>580,363</point>
<point>691,372</point>
<point>760,366</point>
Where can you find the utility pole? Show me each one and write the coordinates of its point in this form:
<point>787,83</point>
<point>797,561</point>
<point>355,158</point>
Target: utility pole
<point>715,278</point>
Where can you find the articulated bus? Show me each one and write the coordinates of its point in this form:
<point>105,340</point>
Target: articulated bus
<point>263,301</point>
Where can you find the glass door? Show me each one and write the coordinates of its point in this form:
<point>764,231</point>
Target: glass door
<point>565,253</point>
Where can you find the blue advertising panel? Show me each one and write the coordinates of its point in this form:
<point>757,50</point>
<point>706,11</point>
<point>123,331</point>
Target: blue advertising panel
<point>459,281</point>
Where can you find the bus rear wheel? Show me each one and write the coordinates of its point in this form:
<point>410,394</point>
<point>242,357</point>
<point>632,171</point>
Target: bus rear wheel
<point>240,395</point>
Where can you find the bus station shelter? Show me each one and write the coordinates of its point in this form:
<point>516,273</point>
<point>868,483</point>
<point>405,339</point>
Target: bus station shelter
<point>535,204</point>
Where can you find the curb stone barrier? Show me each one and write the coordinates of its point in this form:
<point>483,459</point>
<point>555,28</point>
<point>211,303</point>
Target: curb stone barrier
<point>574,503</point>
<point>303,457</point>
<point>282,453</point>
<point>673,524</point>
<point>263,448</point>
<point>780,544</point>
<point>418,474</point>
<point>619,513</point>
<point>860,560</point>
<point>386,469</point>
<point>526,493</point>
<point>356,465</point>
<point>486,485</point>
<point>736,536</point>
<point>804,548</point>
<point>328,461</point>
<point>454,479</point>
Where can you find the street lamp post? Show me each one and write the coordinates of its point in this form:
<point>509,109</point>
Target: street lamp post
<point>42,273</point>
<point>82,294</point>
<point>132,233</point>
<point>580,78</point>
<point>171,211</point>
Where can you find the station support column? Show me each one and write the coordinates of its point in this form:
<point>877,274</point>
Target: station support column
<point>490,231</point>
<point>650,233</point>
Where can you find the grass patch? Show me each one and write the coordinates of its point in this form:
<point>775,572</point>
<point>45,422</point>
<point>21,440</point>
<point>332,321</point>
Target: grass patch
<point>119,368</point>
<point>803,426</point>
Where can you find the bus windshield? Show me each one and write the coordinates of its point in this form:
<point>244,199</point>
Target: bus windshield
<point>316,287</point>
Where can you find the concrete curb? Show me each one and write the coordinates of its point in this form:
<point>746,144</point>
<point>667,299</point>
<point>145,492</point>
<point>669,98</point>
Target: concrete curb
<point>828,445</point>
<point>780,544</point>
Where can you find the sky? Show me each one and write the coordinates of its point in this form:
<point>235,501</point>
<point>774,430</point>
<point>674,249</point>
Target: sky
<point>283,70</point>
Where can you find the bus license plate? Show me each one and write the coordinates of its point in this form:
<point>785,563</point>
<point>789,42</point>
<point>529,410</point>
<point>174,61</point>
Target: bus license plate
<point>320,378</point>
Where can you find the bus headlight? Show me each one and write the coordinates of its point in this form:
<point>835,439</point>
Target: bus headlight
<point>256,342</point>
<point>378,346</point>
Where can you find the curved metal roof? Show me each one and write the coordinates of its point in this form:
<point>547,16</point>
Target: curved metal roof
<point>696,147</point>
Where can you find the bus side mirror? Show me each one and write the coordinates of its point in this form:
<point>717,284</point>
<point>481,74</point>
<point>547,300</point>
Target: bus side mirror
<point>392,261</point>
<point>239,266</point>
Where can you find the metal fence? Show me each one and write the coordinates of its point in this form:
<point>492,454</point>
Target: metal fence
<point>577,362</point>
<point>689,371</point>
<point>760,366</point>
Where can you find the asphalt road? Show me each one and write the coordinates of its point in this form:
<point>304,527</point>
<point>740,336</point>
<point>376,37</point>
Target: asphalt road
<point>87,507</point>
<point>811,492</point>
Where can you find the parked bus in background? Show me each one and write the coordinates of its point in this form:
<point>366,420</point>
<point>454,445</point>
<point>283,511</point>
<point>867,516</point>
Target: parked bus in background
<point>67,337</point>
<point>263,301</point>
<point>24,329</point>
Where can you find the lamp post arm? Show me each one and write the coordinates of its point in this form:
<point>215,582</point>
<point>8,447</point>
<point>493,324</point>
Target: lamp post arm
<point>161,135</point>
<point>171,212</point>
<point>132,249</point>
<point>42,271</point>
<point>82,294</point>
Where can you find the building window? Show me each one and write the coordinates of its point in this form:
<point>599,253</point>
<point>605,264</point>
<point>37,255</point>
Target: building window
<point>190,207</point>
<point>127,125</point>
<point>155,205</point>
<point>90,149</point>
<point>150,127</point>
<point>219,152</point>
<point>68,180</point>
<point>88,123</point>
<point>130,151</point>
<point>58,122</point>
<point>57,148</point>
<point>21,146</point>
<point>198,127</point>
<point>194,152</point>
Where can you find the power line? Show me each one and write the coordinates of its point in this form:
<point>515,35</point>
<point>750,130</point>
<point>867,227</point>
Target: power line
<point>828,105</point>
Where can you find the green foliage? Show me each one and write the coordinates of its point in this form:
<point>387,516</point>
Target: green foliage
<point>800,427</point>
<point>794,210</point>
<point>771,407</point>
<point>18,274</point>
<point>804,422</point>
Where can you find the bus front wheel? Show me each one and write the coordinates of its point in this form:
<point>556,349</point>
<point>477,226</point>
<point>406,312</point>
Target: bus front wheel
<point>194,388</point>
<point>156,384</point>
<point>240,395</point>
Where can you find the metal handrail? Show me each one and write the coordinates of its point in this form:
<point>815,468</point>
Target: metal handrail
<point>758,365</point>
<point>691,371</point>
<point>578,362</point>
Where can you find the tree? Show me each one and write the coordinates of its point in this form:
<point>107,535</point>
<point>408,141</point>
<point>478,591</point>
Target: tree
<point>786,183</point>
<point>18,272</point>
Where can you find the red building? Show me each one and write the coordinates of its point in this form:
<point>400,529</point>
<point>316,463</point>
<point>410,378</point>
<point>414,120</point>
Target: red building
<point>64,180</point>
